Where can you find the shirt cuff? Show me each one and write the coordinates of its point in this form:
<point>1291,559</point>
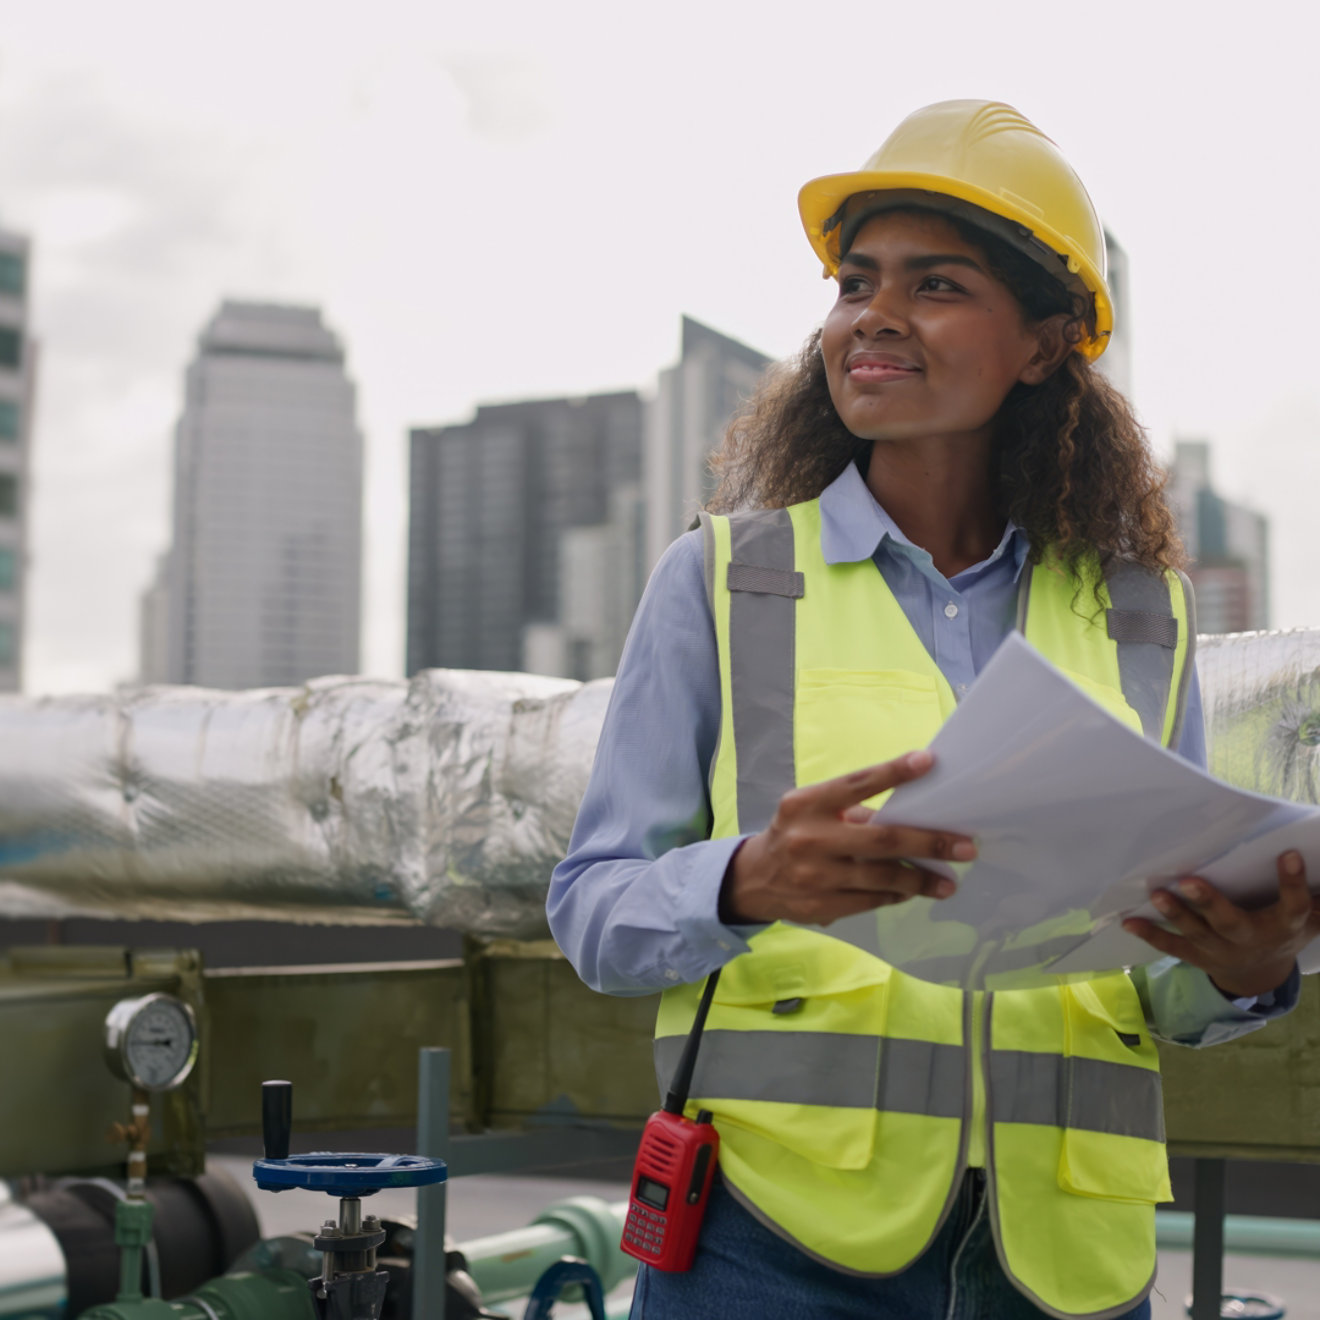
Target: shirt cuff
<point>693,898</point>
<point>1275,1003</point>
<point>1186,1008</point>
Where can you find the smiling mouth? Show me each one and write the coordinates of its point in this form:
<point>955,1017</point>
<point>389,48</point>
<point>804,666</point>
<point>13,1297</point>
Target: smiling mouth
<point>881,371</point>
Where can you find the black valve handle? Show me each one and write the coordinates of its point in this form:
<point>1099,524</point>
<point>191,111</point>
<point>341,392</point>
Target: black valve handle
<point>276,1118</point>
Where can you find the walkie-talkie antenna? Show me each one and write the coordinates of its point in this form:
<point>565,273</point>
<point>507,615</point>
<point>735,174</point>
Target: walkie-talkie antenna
<point>681,1084</point>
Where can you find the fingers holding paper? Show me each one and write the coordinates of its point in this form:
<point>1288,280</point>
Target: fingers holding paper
<point>821,858</point>
<point>1245,951</point>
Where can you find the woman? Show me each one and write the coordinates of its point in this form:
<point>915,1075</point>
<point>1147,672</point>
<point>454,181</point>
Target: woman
<point>891,1148</point>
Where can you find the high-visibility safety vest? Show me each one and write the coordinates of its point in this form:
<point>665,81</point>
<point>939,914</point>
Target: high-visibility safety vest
<point>849,1096</point>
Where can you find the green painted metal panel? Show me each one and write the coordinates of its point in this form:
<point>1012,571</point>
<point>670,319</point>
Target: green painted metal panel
<point>530,1044</point>
<point>347,1038</point>
<point>555,1048</point>
<point>1255,1098</point>
<point>58,1097</point>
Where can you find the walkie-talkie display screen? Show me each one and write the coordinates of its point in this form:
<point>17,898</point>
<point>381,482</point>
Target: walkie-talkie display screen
<point>653,1193</point>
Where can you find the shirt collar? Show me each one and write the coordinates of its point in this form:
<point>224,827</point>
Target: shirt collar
<point>854,525</point>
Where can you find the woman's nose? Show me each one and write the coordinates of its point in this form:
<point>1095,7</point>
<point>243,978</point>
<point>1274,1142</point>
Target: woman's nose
<point>882,315</point>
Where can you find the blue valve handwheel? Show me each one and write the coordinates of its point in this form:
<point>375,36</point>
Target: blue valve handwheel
<point>347,1174</point>
<point>563,1273</point>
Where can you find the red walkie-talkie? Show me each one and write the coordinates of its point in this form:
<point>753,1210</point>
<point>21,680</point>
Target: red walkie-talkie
<point>674,1166</point>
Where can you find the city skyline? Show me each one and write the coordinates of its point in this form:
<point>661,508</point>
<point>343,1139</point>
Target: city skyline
<point>441,198</point>
<point>534,525</point>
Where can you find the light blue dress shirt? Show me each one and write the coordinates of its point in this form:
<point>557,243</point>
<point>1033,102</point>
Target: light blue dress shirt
<point>634,905</point>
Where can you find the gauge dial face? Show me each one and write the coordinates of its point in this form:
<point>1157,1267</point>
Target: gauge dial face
<point>152,1041</point>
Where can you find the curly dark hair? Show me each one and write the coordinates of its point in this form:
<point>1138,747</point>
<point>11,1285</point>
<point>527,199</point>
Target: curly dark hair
<point>1071,465</point>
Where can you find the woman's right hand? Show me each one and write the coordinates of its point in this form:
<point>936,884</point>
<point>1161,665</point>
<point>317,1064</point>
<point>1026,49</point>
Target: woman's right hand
<point>820,859</point>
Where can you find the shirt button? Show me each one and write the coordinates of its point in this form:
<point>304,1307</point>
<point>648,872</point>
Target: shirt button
<point>961,689</point>
<point>670,974</point>
<point>951,611</point>
<point>725,945</point>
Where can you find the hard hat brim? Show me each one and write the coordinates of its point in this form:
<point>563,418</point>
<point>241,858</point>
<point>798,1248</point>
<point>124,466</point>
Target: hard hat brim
<point>820,200</point>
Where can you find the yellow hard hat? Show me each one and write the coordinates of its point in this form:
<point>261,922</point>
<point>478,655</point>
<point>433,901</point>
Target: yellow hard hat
<point>961,155</point>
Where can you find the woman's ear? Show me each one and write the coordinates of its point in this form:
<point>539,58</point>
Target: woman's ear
<point>1053,344</point>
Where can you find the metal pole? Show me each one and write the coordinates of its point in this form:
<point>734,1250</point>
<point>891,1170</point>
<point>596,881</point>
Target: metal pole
<point>428,1271</point>
<point>1208,1240</point>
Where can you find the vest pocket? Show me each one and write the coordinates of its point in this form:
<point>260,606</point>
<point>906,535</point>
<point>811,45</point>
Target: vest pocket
<point>806,1079</point>
<point>847,719</point>
<point>1114,1168</point>
<point>1111,1099</point>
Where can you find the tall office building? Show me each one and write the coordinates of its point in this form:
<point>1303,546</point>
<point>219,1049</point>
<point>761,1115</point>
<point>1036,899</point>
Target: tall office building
<point>694,401</point>
<point>264,574</point>
<point>154,625</point>
<point>17,381</point>
<point>512,512</point>
<point>1227,543</point>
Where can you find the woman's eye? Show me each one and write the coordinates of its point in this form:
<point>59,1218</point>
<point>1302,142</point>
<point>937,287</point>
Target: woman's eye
<point>938,284</point>
<point>851,284</point>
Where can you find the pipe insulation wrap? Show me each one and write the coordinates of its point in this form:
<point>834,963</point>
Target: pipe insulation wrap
<point>33,1276</point>
<point>444,800</point>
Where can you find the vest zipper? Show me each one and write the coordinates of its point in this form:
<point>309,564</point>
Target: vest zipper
<point>974,1018</point>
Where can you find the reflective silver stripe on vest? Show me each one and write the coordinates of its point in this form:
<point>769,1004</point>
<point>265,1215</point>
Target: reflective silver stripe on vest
<point>1089,1094</point>
<point>1140,624</point>
<point>761,664</point>
<point>823,1068</point>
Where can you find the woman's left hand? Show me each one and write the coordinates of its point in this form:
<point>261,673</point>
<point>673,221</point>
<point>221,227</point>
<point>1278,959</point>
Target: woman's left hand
<point>1245,952</point>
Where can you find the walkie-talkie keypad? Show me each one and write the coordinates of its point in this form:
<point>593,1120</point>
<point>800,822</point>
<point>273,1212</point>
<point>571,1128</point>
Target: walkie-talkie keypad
<point>645,1229</point>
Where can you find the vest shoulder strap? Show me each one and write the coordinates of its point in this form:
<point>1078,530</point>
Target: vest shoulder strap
<point>1152,622</point>
<point>756,631</point>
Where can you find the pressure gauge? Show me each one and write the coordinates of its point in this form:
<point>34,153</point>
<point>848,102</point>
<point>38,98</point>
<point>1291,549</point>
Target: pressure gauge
<point>151,1042</point>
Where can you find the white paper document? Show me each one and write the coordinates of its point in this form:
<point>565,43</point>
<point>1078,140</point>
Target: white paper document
<point>1077,820</point>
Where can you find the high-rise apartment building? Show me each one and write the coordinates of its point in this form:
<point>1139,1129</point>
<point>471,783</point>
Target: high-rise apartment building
<point>524,537</point>
<point>1228,545</point>
<point>694,401</point>
<point>263,581</point>
<point>17,380</point>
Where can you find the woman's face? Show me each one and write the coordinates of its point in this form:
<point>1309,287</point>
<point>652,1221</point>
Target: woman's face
<point>923,341</point>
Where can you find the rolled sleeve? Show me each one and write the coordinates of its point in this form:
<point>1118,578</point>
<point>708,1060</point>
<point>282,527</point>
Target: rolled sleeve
<point>1184,1007</point>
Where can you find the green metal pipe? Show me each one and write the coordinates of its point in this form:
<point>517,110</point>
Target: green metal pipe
<point>507,1265</point>
<point>504,1266</point>
<point>1248,1235</point>
<point>269,1295</point>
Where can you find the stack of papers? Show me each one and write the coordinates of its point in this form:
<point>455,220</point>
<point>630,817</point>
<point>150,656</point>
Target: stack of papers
<point>1077,820</point>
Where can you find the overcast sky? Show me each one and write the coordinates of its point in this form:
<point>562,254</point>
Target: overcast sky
<point>520,199</point>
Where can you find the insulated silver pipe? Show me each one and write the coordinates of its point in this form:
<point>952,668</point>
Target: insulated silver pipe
<point>445,800</point>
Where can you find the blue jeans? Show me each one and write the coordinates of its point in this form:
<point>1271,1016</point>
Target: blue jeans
<point>743,1271</point>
